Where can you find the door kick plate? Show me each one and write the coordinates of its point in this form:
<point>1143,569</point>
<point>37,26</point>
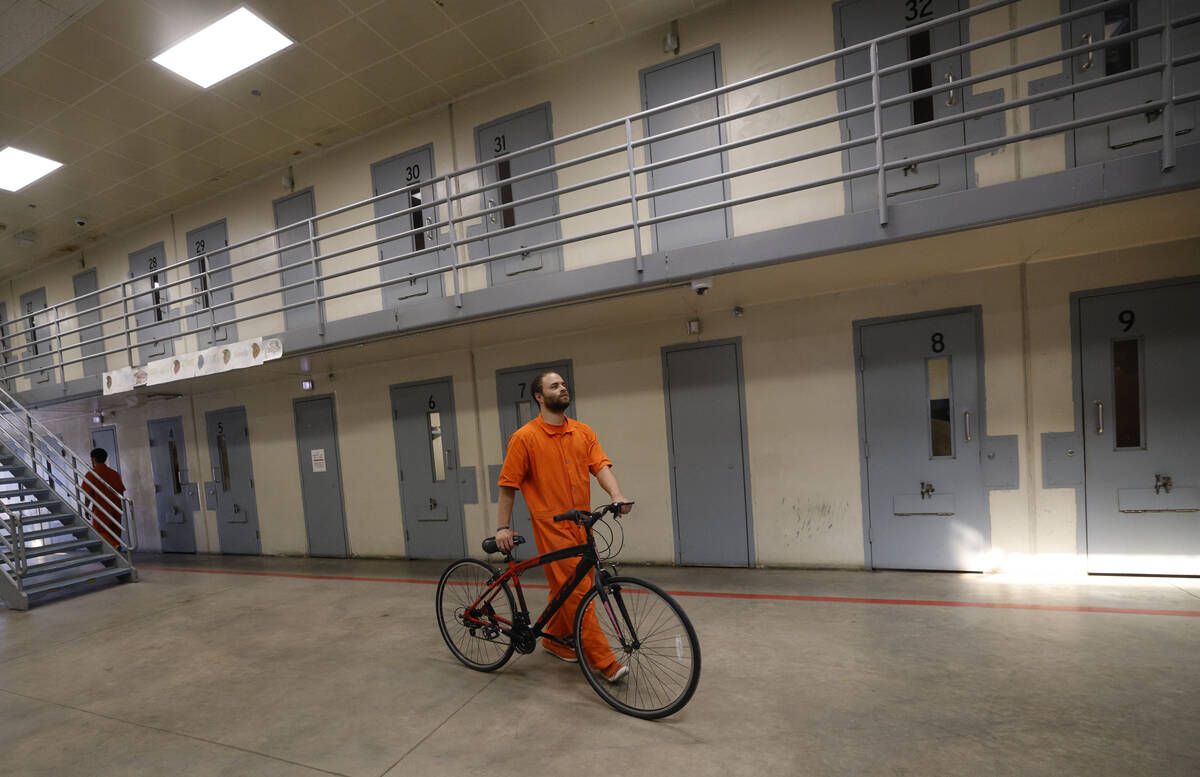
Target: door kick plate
<point>937,504</point>
<point>1144,500</point>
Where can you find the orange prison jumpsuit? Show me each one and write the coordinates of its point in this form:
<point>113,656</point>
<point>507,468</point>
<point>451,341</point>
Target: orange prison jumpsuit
<point>105,480</point>
<point>551,467</point>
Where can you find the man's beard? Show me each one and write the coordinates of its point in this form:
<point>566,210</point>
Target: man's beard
<point>556,405</point>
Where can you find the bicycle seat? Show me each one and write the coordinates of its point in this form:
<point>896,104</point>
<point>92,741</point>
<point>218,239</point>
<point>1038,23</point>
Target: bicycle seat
<point>489,545</point>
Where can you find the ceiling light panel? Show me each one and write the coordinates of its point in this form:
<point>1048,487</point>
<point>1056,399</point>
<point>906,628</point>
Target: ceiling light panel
<point>223,48</point>
<point>20,168</point>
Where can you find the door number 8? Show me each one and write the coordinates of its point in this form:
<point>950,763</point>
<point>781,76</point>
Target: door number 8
<point>937,342</point>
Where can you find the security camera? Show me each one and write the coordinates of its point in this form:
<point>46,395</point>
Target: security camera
<point>80,221</point>
<point>702,286</point>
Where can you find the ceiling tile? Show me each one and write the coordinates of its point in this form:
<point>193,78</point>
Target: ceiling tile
<point>141,27</point>
<point>300,19</point>
<point>129,195</point>
<point>157,85</point>
<point>446,55</point>
<point>475,78</point>
<point>190,168</point>
<point>557,16</point>
<point>33,106</point>
<point>193,15</point>
<point>224,152</point>
<point>345,99</point>
<point>83,181</point>
<point>331,135</point>
<point>239,91</point>
<point>256,167</point>
<point>465,10</point>
<point>503,31</point>
<point>647,13</point>
<point>300,70</point>
<point>358,6</point>
<point>176,131</point>
<point>351,46</point>
<point>214,112</point>
<point>301,118</point>
<point>55,145</point>
<point>109,165</point>
<point>12,128</point>
<point>120,107</point>
<point>142,148</point>
<point>50,197</point>
<point>421,100</point>
<point>87,50</point>
<point>51,77</point>
<point>528,58</point>
<point>406,24</point>
<point>159,182</point>
<point>595,33</point>
<point>373,120</point>
<point>392,78</point>
<point>261,136</point>
<point>85,126</point>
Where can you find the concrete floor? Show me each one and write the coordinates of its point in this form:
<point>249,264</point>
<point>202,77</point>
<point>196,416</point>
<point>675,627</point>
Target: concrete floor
<point>188,673</point>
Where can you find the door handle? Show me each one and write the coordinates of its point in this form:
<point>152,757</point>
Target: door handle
<point>236,508</point>
<point>491,216</point>
<point>927,490</point>
<point>950,99</point>
<point>1099,417</point>
<point>449,454</point>
<point>432,503</point>
<point>967,424</point>
<point>1086,39</point>
<point>1162,482</point>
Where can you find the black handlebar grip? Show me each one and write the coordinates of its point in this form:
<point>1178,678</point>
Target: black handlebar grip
<point>569,515</point>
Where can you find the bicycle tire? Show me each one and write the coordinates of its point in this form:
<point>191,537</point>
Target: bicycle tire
<point>664,669</point>
<point>462,583</point>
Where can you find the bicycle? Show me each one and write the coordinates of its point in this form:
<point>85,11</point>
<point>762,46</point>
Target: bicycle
<point>647,630</point>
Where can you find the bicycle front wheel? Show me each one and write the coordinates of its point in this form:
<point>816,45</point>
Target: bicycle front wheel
<point>471,621</point>
<point>652,638</point>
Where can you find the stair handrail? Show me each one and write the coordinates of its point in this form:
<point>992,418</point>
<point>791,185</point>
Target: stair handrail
<point>14,541</point>
<point>52,448</point>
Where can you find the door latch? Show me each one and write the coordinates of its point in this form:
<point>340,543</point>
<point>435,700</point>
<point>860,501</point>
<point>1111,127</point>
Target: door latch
<point>927,490</point>
<point>432,503</point>
<point>1162,482</point>
<point>236,508</point>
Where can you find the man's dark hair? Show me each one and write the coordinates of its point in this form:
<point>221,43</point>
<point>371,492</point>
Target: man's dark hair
<point>100,455</point>
<point>536,386</point>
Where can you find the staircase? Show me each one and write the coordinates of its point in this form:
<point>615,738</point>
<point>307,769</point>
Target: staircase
<point>46,542</point>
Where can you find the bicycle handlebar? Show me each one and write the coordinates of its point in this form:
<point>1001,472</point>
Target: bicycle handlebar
<point>584,517</point>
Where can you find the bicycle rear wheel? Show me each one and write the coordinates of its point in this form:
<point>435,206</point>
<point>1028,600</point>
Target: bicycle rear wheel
<point>650,635</point>
<point>475,638</point>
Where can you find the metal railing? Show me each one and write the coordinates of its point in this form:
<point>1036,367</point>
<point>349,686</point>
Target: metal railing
<point>44,331</point>
<point>67,474</point>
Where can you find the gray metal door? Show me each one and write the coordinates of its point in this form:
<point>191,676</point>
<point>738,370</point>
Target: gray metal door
<point>5,344</point>
<point>106,437</point>
<point>863,20</point>
<point>208,278</point>
<point>707,436</point>
<point>321,477</point>
<point>1140,133</point>
<point>168,462</point>
<point>1140,359</point>
<point>517,408</point>
<point>294,210</point>
<point>39,343</point>
<point>151,302</point>
<point>501,137</point>
<point>921,400</point>
<point>87,313</point>
<point>231,492</point>
<point>427,460</point>
<point>410,176</point>
<point>662,84</point>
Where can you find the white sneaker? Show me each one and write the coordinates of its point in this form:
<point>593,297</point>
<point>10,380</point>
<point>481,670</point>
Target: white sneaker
<point>617,674</point>
<point>571,659</point>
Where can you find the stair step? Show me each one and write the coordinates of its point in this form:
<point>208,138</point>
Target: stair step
<point>53,547</point>
<point>89,577</point>
<point>56,531</point>
<point>17,478</point>
<point>18,493</point>
<point>57,566</point>
<point>60,517</point>
<point>38,505</point>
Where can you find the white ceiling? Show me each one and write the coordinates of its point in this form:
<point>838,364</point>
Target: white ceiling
<point>77,85</point>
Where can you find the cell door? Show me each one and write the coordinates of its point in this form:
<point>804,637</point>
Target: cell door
<point>664,84</point>
<point>231,492</point>
<point>151,303</point>
<point>921,398</point>
<point>501,137</point>
<point>517,408</point>
<point>87,318</point>
<point>321,477</point>
<point>168,463</point>
<point>427,461</point>
<point>38,338</point>
<point>410,175</point>
<point>1140,133</point>
<point>1140,361</point>
<point>707,436</point>
<point>210,282</point>
<point>5,343</point>
<point>106,437</point>
<point>863,20</point>
<point>292,212</point>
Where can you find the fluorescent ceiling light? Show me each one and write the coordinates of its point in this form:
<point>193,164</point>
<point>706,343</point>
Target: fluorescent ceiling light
<point>223,48</point>
<point>20,168</point>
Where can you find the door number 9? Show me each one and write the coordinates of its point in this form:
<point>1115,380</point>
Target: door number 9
<point>1127,318</point>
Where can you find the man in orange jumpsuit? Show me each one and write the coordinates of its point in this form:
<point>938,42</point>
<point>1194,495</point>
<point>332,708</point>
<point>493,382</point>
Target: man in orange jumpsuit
<point>104,488</point>
<point>549,460</point>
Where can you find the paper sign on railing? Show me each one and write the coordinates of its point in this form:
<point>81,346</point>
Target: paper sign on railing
<point>210,361</point>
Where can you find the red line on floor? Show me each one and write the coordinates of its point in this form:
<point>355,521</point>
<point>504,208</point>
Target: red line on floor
<point>719,595</point>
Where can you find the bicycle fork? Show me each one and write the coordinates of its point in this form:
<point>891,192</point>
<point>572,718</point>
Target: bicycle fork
<point>633,643</point>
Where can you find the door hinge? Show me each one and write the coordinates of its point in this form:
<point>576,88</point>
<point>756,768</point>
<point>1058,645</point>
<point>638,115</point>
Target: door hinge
<point>395,415</point>
<point>406,535</point>
<point>861,362</point>
<point>162,533</point>
<point>866,449</point>
<point>252,482</point>
<point>257,536</point>
<point>401,475</point>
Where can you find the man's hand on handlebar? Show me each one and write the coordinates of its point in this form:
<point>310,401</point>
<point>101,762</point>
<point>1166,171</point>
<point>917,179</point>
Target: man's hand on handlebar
<point>504,539</point>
